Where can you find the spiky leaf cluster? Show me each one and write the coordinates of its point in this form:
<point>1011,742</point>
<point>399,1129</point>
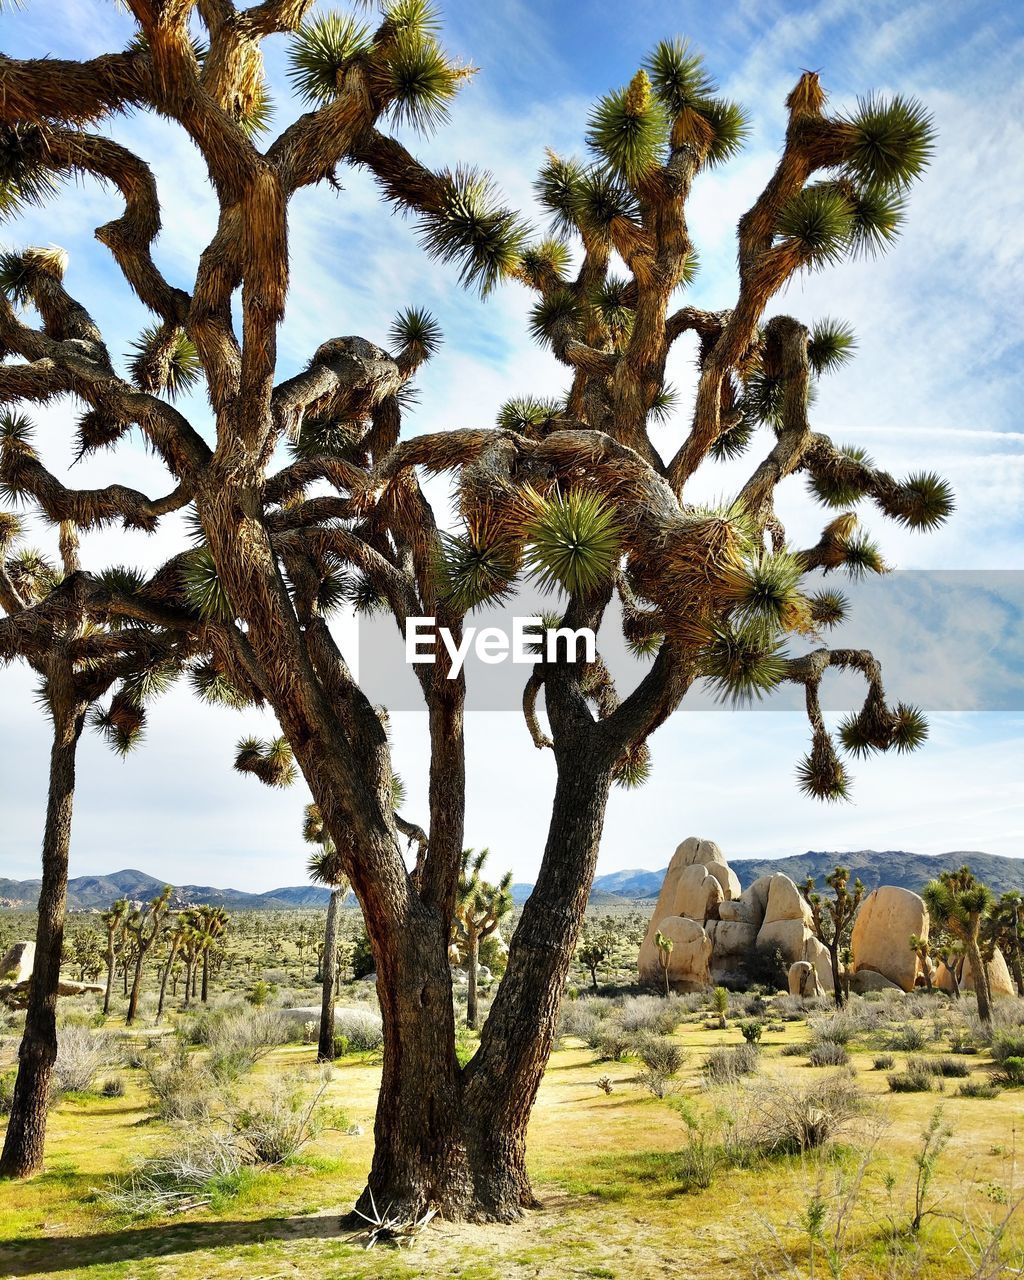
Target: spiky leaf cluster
<point>556,312</point>
<point>682,85</point>
<point>530,415</point>
<point>23,180</point>
<point>320,51</point>
<point>821,774</point>
<point>766,590</point>
<point>841,485</point>
<point>891,143</point>
<point>477,565</point>
<point>629,130</point>
<point>416,330</point>
<point>175,360</point>
<point>742,662</point>
<point>828,608</point>
<point>831,344</point>
<point>203,588</point>
<point>271,762</point>
<point>420,80</point>
<point>475,230</point>
<point>211,685</point>
<point>574,542</point>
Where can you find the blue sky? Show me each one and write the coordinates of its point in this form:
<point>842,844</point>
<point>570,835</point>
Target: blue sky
<point>936,384</point>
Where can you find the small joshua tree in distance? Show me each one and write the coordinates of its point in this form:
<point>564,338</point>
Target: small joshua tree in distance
<point>833,920</point>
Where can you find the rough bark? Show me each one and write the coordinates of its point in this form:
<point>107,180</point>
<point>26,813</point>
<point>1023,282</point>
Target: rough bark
<point>472,965</point>
<point>980,974</point>
<point>26,1128</point>
<point>328,967</point>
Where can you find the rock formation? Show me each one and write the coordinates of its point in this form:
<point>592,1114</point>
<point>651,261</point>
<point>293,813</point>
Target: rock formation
<point>886,921</point>
<point>724,924</point>
<point>1000,982</point>
<point>16,974</point>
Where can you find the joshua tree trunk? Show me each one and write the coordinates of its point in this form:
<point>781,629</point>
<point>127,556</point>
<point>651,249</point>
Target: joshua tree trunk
<point>26,1128</point>
<point>837,976</point>
<point>171,957</point>
<point>980,975</point>
<point>133,999</point>
<point>472,965</point>
<point>110,977</point>
<point>328,966</point>
<point>205,990</point>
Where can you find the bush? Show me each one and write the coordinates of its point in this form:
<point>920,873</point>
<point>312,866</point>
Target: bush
<point>909,1038</point>
<point>961,1042</point>
<point>182,1087</point>
<point>838,1028</point>
<point>614,1044</point>
<point>788,1120</point>
<point>727,1066</point>
<point>915,1079</point>
<point>978,1089</point>
<point>261,993</point>
<point>795,1050</point>
<point>950,1068</point>
<point>274,1127</point>
<point>191,1175</point>
<point>360,1029</point>
<point>237,1041</point>
<point>1011,1072</point>
<point>662,1059</point>
<point>649,1013</point>
<point>113,1087</point>
<point>1007,1044</point>
<point>81,1053</point>
<point>767,967</point>
<point>829,1055</point>
<point>752,1031</point>
<point>884,1062</point>
<point>703,1154</point>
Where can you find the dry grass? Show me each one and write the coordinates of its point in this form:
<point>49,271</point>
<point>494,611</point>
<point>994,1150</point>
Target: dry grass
<point>604,1165</point>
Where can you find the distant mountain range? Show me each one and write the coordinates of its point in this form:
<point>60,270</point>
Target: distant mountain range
<point>893,866</point>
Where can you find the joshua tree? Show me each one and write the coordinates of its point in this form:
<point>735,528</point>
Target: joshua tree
<point>573,492</point>
<point>1004,930</point>
<point>922,950</point>
<point>958,903</point>
<point>177,936</point>
<point>85,954</point>
<point>113,922</point>
<point>144,924</point>
<point>720,1004</point>
<point>325,867</point>
<point>78,660</point>
<point>212,922</point>
<point>833,921</point>
<point>593,953</point>
<point>479,908</point>
<point>665,945</point>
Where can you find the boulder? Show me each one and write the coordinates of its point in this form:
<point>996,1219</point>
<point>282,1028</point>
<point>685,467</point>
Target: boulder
<point>755,899</point>
<point>803,979</point>
<point>697,894</point>
<point>737,910</point>
<point>16,965</point>
<point>694,850</point>
<point>817,954</point>
<point>886,920</point>
<point>790,936</point>
<point>732,942</point>
<point>690,960</point>
<point>1000,982</point>
<point>726,877</point>
<point>786,902</point>
<point>865,980</point>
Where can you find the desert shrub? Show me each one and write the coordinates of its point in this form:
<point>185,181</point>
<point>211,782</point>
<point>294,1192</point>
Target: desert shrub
<point>703,1153</point>
<point>1011,1072</point>
<point>829,1055</point>
<point>795,1050</point>
<point>113,1087</point>
<point>950,1068</point>
<point>1007,1044</point>
<point>649,1013</point>
<point>916,1078</point>
<point>132,1051</point>
<point>961,1042</point>
<point>783,1119</point>
<point>189,1176</point>
<point>727,1066</point>
<point>261,993</point>
<point>614,1044</point>
<point>908,1038</point>
<point>183,1087</point>
<point>790,1008</point>
<point>662,1059</point>
<point>276,1125</point>
<point>81,1053</point>
<point>362,1029</point>
<point>752,1031</point>
<point>884,1062</point>
<point>580,1018</point>
<point>838,1028</point>
<point>978,1089</point>
<point>237,1041</point>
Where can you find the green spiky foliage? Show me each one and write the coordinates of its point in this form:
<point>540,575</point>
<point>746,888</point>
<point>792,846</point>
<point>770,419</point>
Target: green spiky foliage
<point>333,592</point>
<point>734,441</point>
<point>421,82</point>
<point>862,555</point>
<point>180,366</point>
<point>477,565</point>
<point>629,130</point>
<point>816,225</point>
<point>876,728</point>
<point>892,142</point>
<point>320,51</point>
<point>842,486</point>
<point>633,768</point>
<point>611,301</point>
<point>832,920</point>
<point>555,311</point>
<point>682,84</point>
<point>546,261</point>
<point>831,344</point>
<point>417,331</point>
<point>24,182</point>
<point>878,218</point>
<point>828,608</point>
<point>574,542</point>
<point>529,414</point>
<point>664,404</point>
<point>821,774</point>
<point>766,591</point>
<point>958,903</point>
<point>559,187</point>
<point>122,579</point>
<point>203,588</point>
<point>366,598</point>
<point>11,530</point>
<point>925,501</point>
<point>473,229</point>
<point>270,761</point>
<point>742,662</point>
<point>33,575</point>
<point>256,118</point>
<point>211,685</point>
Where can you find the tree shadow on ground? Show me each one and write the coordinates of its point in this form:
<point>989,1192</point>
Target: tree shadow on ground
<point>44,1255</point>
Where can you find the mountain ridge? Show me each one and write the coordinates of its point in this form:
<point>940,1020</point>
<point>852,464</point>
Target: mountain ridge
<point>874,867</point>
